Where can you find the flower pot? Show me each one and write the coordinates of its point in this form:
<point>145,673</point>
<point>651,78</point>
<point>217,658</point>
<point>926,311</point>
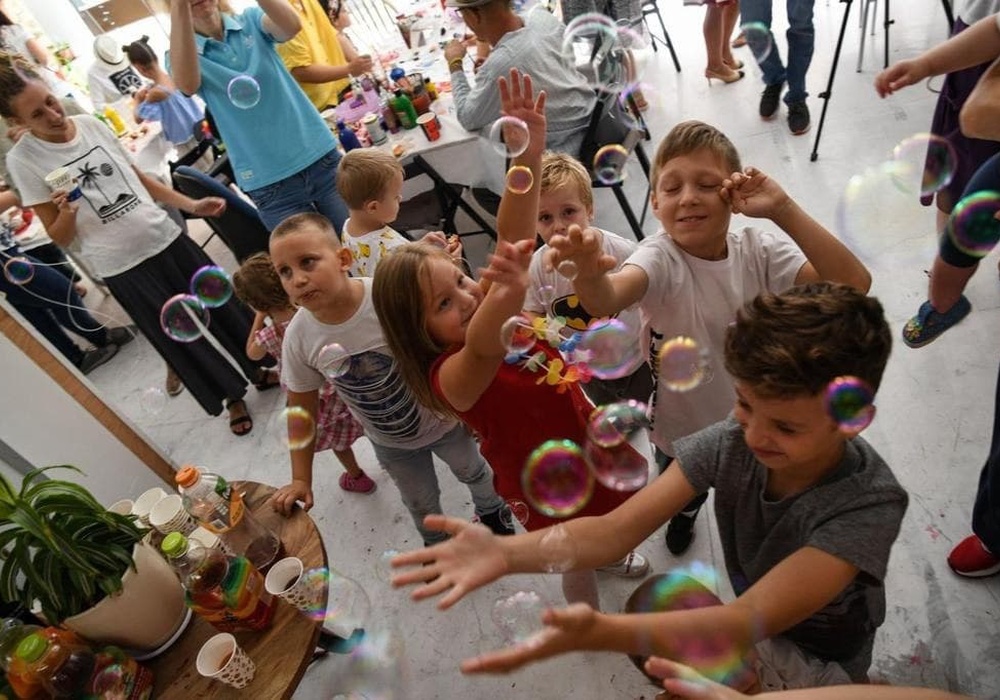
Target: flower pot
<point>146,613</point>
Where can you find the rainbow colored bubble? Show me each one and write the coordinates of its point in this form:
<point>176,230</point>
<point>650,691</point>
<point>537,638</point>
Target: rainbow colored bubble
<point>556,480</point>
<point>973,226</point>
<point>609,349</point>
<point>849,401</point>
<point>609,164</point>
<point>212,286</point>
<point>613,424</point>
<point>928,163</point>
<point>300,427</point>
<point>183,317</point>
<point>519,179</point>
<point>18,270</point>
<point>682,364</point>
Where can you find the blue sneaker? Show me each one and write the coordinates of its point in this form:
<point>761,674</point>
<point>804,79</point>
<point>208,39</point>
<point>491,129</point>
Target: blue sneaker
<point>928,324</point>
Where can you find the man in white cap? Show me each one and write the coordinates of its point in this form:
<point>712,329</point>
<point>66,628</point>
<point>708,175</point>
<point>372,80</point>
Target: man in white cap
<point>110,78</point>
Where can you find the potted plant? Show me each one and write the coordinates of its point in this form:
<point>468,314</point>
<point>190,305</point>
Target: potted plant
<point>67,557</point>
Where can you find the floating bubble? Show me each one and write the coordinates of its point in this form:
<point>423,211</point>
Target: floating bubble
<point>636,98</point>
<point>244,91</point>
<point>18,270</point>
<point>759,39</point>
<point>300,427</point>
<point>383,565</point>
<point>593,45</point>
<point>683,364</point>
<point>557,550</point>
<point>849,402</point>
<point>111,683</point>
<point>556,480</point>
<point>153,400</point>
<point>212,286</point>
<point>519,616</point>
<point>377,668</point>
<point>927,163</point>
<point>509,136</point>
<point>608,348</point>
<point>517,334</point>
<point>516,511</point>
<point>609,164</point>
<point>183,317</point>
<point>623,467</point>
<point>519,179</point>
<point>547,295</point>
<point>333,361</point>
<point>315,582</point>
<point>611,425</point>
<point>568,269</point>
<point>973,226</point>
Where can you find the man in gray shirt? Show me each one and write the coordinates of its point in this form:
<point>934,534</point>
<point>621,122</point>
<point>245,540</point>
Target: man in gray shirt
<point>533,45</point>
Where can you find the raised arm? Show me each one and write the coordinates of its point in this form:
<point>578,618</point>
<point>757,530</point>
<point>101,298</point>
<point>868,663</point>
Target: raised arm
<point>981,109</point>
<point>184,68</point>
<point>280,20</point>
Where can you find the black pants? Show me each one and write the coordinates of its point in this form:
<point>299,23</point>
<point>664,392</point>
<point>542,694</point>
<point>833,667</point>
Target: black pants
<point>986,511</point>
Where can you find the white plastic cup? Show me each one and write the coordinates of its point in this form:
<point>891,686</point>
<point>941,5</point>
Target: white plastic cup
<point>222,659</point>
<point>168,515</point>
<point>145,502</point>
<point>122,507</point>
<point>62,179</point>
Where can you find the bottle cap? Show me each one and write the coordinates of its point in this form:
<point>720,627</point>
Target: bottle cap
<point>397,73</point>
<point>187,475</point>
<point>174,544</point>
<point>32,647</point>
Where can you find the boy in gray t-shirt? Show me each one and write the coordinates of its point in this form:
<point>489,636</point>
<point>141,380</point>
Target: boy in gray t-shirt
<point>807,511</point>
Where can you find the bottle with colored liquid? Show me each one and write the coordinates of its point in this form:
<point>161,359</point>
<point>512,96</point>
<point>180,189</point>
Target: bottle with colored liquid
<point>117,676</point>
<point>431,89</point>
<point>389,116</point>
<point>225,590</point>
<point>348,139</point>
<point>51,663</point>
<point>12,631</point>
<point>404,110</point>
<point>213,502</point>
<point>115,120</point>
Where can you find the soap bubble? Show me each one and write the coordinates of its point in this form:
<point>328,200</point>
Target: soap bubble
<point>517,334</point>
<point>926,162</point>
<point>182,318</point>
<point>547,295</point>
<point>347,606</point>
<point>315,583</point>
<point>333,361</point>
<point>618,448</point>
<point>18,270</point>
<point>759,39</point>
<point>153,400</point>
<point>683,364</point>
<point>520,179</point>
<point>557,550</point>
<point>849,402</point>
<point>212,286</point>
<point>973,226</point>
<point>609,164</point>
<point>244,91</point>
<point>568,269</point>
<point>556,480</point>
<point>377,668</point>
<point>592,44</point>
<point>519,616</point>
<point>609,349</point>
<point>300,427</point>
<point>611,425</point>
<point>516,511</point>
<point>509,136</point>
<point>383,565</point>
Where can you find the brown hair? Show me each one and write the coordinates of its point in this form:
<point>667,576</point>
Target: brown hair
<point>296,223</point>
<point>795,343</point>
<point>15,72</point>
<point>562,170</point>
<point>364,174</point>
<point>258,286</point>
<point>690,136</point>
<point>402,281</point>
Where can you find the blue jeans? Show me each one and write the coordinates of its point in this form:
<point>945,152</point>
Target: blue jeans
<point>800,37</point>
<point>313,189</point>
<point>412,470</point>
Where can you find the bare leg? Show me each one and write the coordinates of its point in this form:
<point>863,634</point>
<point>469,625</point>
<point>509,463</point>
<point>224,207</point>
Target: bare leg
<point>581,587</point>
<point>712,30</point>
<point>730,16</point>
<point>349,462</point>
<point>947,283</point>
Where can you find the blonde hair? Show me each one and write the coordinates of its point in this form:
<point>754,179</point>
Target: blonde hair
<point>399,290</point>
<point>297,223</point>
<point>690,136</point>
<point>364,174</point>
<point>15,73</point>
<point>562,170</point>
<point>258,286</point>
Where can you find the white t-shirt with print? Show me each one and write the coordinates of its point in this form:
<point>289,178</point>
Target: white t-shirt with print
<point>117,222</point>
<point>372,386</point>
<point>699,298</point>
<point>368,248</point>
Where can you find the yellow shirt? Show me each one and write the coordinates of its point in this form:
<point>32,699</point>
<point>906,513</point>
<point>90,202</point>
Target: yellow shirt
<point>316,43</point>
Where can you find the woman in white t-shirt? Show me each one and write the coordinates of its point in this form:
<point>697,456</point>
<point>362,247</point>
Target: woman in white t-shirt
<point>130,242</point>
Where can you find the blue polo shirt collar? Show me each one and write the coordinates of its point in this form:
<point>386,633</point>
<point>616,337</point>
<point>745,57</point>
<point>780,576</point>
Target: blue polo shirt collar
<point>229,24</point>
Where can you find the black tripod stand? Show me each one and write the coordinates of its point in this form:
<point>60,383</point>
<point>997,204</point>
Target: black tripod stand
<point>828,93</point>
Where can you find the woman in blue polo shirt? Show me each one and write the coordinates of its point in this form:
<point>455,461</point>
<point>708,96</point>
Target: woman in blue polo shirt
<point>283,154</point>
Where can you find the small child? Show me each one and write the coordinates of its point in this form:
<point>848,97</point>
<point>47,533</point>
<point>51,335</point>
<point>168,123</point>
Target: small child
<point>257,285</point>
<point>370,181</point>
<point>691,279</point>
<point>566,199</point>
<point>336,335</point>
<point>807,512</point>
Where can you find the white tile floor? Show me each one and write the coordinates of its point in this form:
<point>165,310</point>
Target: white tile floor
<point>933,425</point>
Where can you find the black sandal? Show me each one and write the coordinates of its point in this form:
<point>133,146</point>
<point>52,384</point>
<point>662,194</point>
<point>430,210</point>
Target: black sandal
<point>237,423</point>
<point>267,379</point>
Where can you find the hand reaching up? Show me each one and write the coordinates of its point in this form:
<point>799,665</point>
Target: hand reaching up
<point>517,99</point>
<point>582,247</point>
<point>753,193</point>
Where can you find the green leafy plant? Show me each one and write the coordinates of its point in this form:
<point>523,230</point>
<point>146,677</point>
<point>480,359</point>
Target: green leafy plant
<point>60,547</point>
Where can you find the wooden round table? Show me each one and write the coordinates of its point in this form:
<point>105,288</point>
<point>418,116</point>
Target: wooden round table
<point>281,653</point>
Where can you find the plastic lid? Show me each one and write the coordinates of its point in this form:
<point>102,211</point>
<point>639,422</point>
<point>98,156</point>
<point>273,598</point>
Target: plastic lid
<point>174,544</point>
<point>32,647</point>
<point>187,475</point>
<point>397,73</point>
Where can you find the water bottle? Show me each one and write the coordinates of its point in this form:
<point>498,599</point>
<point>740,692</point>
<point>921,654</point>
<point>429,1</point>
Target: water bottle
<point>52,662</point>
<point>220,508</point>
<point>348,139</point>
<point>225,590</point>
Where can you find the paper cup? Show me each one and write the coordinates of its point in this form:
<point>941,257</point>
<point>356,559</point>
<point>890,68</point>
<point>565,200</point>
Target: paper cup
<point>122,507</point>
<point>62,179</point>
<point>222,659</point>
<point>207,539</point>
<point>145,502</point>
<point>285,579</point>
<point>168,515</point>
<point>430,125</point>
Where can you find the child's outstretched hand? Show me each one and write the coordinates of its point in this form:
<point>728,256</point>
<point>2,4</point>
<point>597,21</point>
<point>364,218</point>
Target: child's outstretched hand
<point>568,629</point>
<point>284,499</point>
<point>753,193</point>
<point>900,75</point>
<point>683,681</point>
<point>517,99</point>
<point>472,558</point>
<point>582,248</point>
<point>509,264</point>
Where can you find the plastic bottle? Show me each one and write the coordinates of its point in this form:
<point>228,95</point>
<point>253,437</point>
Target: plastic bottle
<point>389,116</point>
<point>12,631</point>
<point>348,139</point>
<point>404,110</point>
<point>53,662</point>
<point>225,590</point>
<point>117,676</point>
<point>115,120</point>
<point>220,508</point>
<point>431,88</point>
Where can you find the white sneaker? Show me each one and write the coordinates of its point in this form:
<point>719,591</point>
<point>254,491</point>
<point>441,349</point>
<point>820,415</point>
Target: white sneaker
<point>634,565</point>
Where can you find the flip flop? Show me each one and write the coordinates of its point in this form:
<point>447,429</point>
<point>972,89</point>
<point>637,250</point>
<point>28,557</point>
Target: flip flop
<point>237,423</point>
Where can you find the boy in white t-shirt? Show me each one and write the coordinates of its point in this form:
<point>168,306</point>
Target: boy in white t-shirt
<point>565,199</point>
<point>692,278</point>
<point>370,181</point>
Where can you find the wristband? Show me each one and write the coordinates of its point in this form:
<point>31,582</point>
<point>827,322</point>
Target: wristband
<point>455,64</point>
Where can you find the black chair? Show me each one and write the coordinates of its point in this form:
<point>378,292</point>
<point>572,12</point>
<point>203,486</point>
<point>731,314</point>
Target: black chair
<point>648,8</point>
<point>240,226</point>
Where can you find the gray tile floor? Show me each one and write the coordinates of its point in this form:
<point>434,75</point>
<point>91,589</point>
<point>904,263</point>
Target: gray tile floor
<point>933,424</point>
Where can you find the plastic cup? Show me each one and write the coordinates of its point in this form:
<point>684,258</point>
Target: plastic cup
<point>168,515</point>
<point>430,125</point>
<point>222,659</point>
<point>145,502</point>
<point>62,179</point>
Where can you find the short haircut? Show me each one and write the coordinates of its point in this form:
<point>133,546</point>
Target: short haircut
<point>795,343</point>
<point>690,136</point>
<point>296,223</point>
<point>562,170</point>
<point>258,286</point>
<point>364,174</point>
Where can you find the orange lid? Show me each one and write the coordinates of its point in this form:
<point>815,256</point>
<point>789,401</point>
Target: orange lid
<point>187,475</point>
